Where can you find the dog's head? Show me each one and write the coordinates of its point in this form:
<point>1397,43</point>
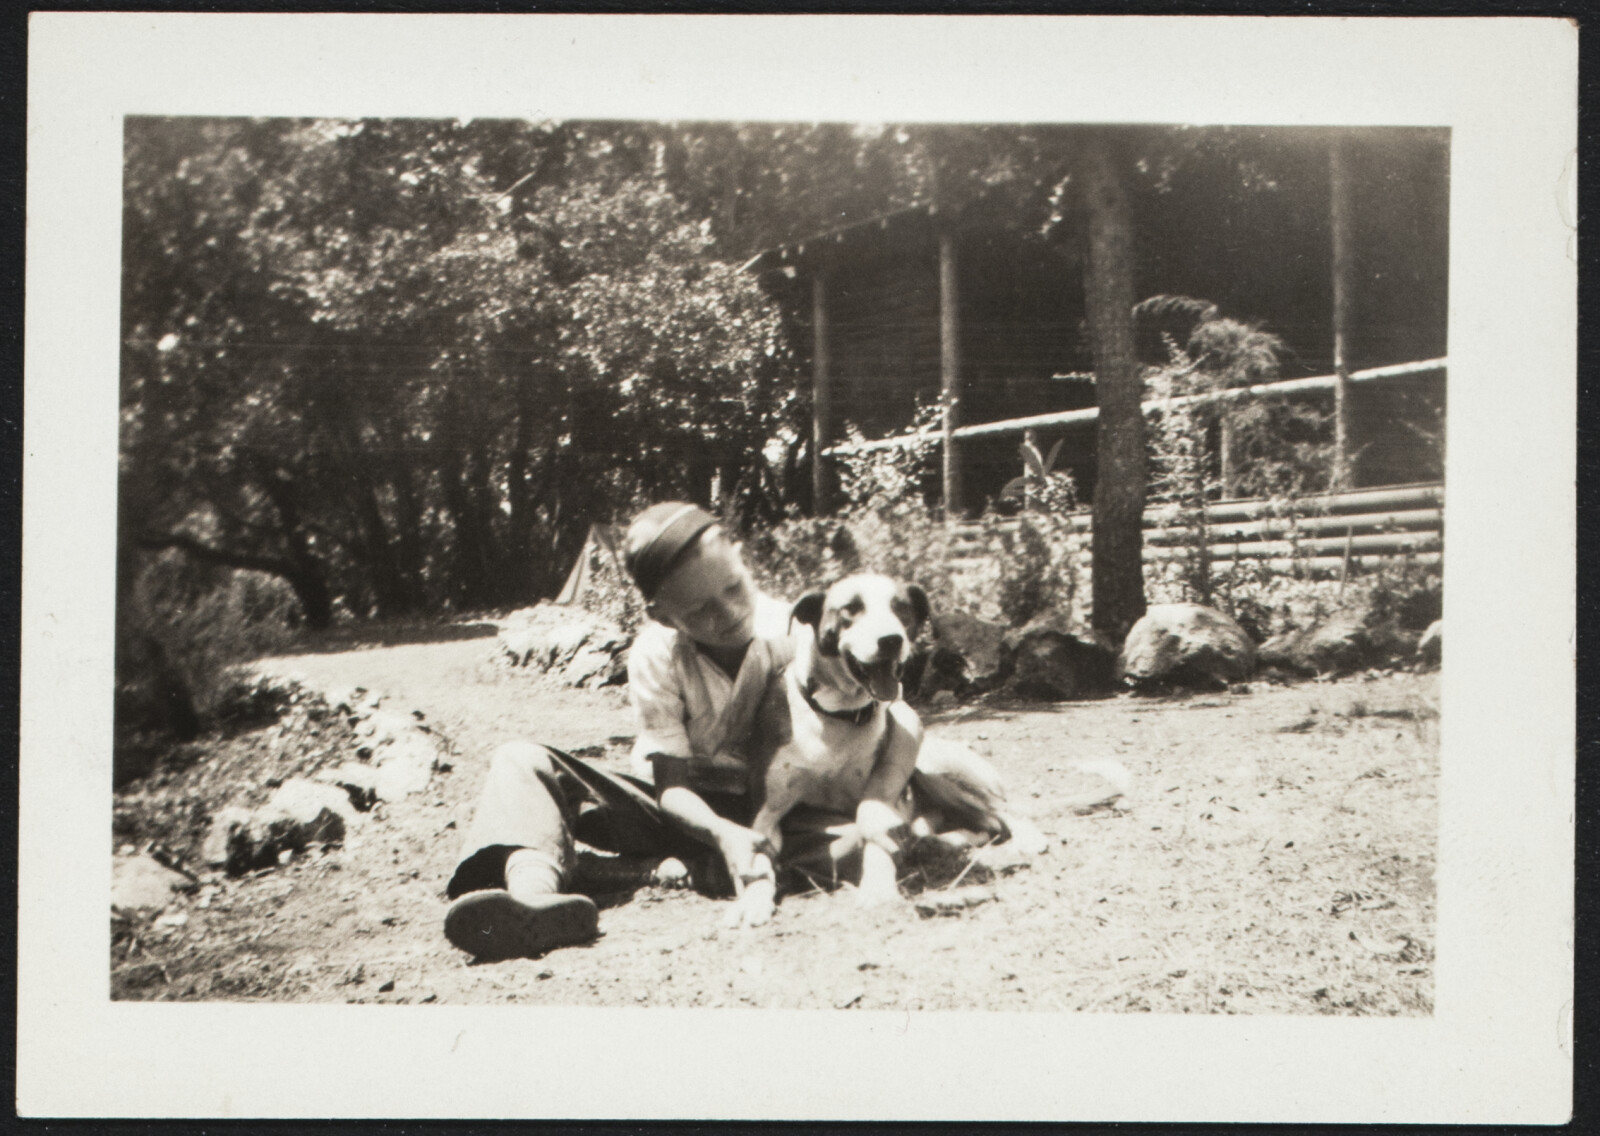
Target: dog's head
<point>865,623</point>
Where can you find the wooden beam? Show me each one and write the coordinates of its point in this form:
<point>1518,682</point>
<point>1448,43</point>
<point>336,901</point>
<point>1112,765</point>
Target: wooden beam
<point>950,370</point>
<point>821,397</point>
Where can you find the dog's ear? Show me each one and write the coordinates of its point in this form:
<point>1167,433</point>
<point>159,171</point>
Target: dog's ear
<point>919,606</point>
<point>808,609</point>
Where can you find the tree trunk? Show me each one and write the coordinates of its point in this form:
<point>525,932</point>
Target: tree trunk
<point>1118,533</point>
<point>305,574</point>
<point>519,491</point>
<point>309,587</point>
<point>821,398</point>
<point>376,549</point>
<point>409,557</point>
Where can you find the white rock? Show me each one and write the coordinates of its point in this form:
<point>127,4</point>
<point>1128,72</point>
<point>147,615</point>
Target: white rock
<point>304,802</point>
<point>140,882</point>
<point>1188,643</point>
<point>225,826</point>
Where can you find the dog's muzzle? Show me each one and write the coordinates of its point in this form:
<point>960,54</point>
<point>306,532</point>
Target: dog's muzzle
<point>881,676</point>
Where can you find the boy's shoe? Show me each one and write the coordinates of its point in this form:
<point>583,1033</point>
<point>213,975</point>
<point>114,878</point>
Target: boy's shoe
<point>493,925</point>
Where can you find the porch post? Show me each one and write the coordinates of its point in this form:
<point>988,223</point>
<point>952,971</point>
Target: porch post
<point>1339,204</point>
<point>821,395</point>
<point>950,370</point>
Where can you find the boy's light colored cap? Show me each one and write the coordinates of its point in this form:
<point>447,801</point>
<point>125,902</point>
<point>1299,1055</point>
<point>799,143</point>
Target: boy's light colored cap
<point>658,537</point>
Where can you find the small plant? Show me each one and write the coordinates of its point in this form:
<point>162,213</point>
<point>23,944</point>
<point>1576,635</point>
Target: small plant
<point>795,556</point>
<point>1206,450</point>
<point>1038,562</point>
<point>895,480</point>
<point>1182,479</point>
<point>1041,487</point>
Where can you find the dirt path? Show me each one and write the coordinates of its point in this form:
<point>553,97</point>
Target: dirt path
<point>1276,855</point>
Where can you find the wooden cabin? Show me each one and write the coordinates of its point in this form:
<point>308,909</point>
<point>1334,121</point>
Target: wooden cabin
<point>917,306</point>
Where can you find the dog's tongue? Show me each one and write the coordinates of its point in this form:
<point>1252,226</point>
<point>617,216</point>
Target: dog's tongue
<point>882,682</point>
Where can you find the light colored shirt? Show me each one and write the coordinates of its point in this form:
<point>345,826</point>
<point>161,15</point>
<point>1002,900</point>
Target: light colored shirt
<point>687,706</point>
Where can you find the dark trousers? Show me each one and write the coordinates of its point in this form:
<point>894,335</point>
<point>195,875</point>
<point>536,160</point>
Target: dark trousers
<point>541,799</point>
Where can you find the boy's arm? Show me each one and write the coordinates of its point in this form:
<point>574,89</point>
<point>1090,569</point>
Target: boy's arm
<point>663,741</point>
<point>747,854</point>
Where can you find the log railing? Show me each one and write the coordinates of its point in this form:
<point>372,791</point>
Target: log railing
<point>1332,532</point>
<point>1312,385</point>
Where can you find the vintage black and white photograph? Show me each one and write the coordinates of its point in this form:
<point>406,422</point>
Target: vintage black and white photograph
<point>841,565</point>
<point>907,568</point>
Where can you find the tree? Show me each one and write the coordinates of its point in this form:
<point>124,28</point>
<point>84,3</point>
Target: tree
<point>405,364</point>
<point>1119,495</point>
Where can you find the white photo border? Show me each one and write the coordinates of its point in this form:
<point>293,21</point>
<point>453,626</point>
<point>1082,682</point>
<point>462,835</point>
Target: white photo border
<point>1496,1050</point>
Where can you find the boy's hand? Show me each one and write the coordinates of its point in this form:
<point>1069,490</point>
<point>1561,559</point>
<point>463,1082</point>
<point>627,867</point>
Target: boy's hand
<point>747,853</point>
<point>749,857</point>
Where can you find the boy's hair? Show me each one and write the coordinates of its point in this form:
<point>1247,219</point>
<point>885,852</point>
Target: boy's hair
<point>658,538</point>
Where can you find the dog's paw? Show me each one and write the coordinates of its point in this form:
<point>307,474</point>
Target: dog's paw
<point>878,886</point>
<point>1026,838</point>
<point>754,908</point>
<point>877,895</point>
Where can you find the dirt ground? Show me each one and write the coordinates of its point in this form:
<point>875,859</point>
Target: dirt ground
<point>1276,855</point>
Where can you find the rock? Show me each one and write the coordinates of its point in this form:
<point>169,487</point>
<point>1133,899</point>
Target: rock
<point>227,843</point>
<point>317,809</point>
<point>1051,665</point>
<point>404,766</point>
<point>969,650</point>
<point>1431,645</point>
<point>140,882</point>
<point>1278,653</point>
<point>357,779</point>
<point>578,647</point>
<point>594,666</point>
<point>389,726</point>
<point>1186,644</point>
<point>1336,645</point>
<point>565,637</point>
<point>671,872</point>
<point>301,813</point>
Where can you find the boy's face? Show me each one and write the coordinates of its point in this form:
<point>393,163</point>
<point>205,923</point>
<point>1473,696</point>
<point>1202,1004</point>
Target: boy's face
<point>709,595</point>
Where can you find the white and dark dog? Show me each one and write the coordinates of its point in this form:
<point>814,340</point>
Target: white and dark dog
<point>838,736</point>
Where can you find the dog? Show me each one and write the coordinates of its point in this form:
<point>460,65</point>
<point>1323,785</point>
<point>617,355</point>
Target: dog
<point>838,735</point>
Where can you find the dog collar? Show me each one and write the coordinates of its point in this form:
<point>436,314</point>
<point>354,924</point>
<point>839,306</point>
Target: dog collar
<point>860,716</point>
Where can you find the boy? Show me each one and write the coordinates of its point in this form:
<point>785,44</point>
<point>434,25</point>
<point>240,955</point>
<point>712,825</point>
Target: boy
<point>696,674</point>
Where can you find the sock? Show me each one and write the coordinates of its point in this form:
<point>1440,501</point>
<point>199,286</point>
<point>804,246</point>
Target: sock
<point>531,874</point>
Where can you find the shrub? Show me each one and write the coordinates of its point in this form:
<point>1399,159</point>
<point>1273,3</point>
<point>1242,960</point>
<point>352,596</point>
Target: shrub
<point>791,558</point>
<point>1404,594</point>
<point>886,525</point>
<point>180,625</point>
<point>609,592</point>
<point>1039,563</point>
<point>1024,567</point>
